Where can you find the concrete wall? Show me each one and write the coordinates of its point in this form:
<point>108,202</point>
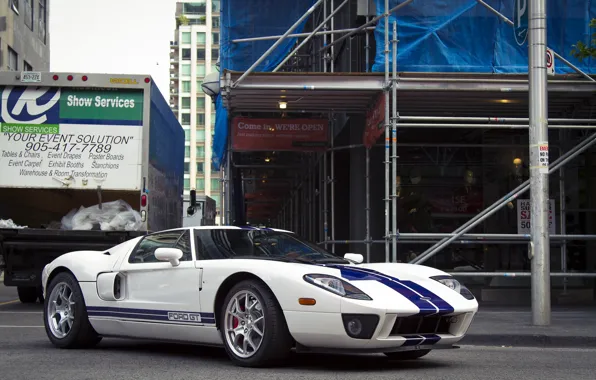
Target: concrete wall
<point>17,35</point>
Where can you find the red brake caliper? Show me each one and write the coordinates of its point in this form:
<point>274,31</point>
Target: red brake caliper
<point>235,321</point>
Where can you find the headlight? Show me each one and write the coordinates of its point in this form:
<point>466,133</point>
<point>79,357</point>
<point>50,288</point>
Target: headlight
<point>455,285</point>
<point>337,286</point>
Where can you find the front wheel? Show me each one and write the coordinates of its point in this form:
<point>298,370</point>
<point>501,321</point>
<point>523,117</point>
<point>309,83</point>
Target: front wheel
<point>65,314</point>
<point>406,355</point>
<point>253,327</point>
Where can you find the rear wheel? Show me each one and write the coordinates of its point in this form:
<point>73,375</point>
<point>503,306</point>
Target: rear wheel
<point>253,326</point>
<point>65,314</point>
<point>27,294</point>
<point>406,355</point>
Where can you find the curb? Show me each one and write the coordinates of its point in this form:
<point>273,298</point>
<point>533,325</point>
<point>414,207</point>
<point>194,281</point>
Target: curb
<point>529,340</point>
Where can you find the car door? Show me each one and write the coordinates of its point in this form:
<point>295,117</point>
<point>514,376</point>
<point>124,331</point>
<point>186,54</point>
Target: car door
<point>159,295</point>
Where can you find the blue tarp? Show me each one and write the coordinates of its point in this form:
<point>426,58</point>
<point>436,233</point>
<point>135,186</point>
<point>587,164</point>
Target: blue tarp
<point>244,19</point>
<point>434,36</point>
<point>464,36</point>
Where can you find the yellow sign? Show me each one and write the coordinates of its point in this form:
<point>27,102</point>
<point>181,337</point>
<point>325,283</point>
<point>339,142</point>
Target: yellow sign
<point>123,81</point>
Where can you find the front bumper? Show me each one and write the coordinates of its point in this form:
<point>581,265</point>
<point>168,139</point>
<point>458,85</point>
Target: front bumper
<point>394,331</point>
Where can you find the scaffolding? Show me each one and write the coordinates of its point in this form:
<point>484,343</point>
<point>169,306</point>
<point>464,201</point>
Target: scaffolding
<point>330,93</point>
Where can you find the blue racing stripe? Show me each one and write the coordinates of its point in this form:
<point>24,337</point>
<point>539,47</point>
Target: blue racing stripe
<point>146,314</point>
<point>412,291</point>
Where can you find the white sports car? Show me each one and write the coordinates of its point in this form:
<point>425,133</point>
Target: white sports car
<point>258,292</point>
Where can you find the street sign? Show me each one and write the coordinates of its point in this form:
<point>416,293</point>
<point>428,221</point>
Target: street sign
<point>520,21</point>
<point>550,62</point>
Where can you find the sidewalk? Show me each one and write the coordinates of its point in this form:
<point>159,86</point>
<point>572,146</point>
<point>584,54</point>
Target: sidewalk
<point>570,327</point>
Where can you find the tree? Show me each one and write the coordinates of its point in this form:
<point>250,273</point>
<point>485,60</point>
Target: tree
<point>582,51</point>
<point>181,20</point>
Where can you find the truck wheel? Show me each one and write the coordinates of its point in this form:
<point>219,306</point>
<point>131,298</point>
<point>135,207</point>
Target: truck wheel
<point>27,294</point>
<point>253,327</point>
<point>65,314</point>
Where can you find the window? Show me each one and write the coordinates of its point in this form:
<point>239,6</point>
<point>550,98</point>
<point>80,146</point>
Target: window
<point>185,69</point>
<point>185,86</point>
<point>200,87</point>
<point>216,199</point>
<point>197,21</point>
<point>200,102</point>
<point>200,69</point>
<point>13,60</point>
<point>195,8</point>
<point>200,152</point>
<point>186,53</point>
<point>215,22</point>
<point>212,120</point>
<point>200,168</point>
<point>201,54</point>
<point>215,184</point>
<point>185,37</point>
<point>27,66</point>
<point>28,13</point>
<point>187,151</point>
<point>200,118</point>
<point>185,119</point>
<point>201,38</point>
<point>186,103</point>
<point>187,134</point>
<point>187,170</point>
<point>145,251</point>
<point>214,54</point>
<point>186,183</point>
<point>200,184</point>
<point>200,136</point>
<point>215,38</point>
<point>215,6</point>
<point>41,20</point>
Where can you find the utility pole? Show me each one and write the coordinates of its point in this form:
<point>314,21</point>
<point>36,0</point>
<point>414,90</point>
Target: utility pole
<point>539,193</point>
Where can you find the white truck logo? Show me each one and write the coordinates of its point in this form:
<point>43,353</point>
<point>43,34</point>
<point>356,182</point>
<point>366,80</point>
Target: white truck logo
<point>27,100</point>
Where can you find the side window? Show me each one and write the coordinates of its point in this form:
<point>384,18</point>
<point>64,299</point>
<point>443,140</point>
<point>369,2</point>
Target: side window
<point>145,251</point>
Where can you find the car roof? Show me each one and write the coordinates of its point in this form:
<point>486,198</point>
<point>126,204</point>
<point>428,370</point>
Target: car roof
<point>225,228</point>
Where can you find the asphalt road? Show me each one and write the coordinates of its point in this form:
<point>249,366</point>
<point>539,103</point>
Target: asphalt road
<point>25,353</point>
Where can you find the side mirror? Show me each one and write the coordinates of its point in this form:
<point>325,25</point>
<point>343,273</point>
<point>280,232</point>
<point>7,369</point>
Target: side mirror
<point>173,255</point>
<point>355,257</point>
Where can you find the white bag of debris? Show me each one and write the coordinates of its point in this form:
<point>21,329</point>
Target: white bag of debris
<point>8,223</point>
<point>113,216</point>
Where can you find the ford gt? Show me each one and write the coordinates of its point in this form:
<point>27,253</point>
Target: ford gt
<point>258,292</point>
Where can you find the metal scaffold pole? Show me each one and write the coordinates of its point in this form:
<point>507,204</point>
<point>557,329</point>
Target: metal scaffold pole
<point>539,194</point>
<point>394,146</point>
<point>387,137</point>
<point>332,180</point>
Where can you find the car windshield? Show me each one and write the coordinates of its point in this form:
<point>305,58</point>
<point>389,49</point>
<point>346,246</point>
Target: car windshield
<point>215,244</point>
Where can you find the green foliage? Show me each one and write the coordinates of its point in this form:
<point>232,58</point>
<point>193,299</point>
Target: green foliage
<point>181,20</point>
<point>582,51</point>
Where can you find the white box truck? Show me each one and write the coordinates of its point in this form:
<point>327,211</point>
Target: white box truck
<point>72,140</point>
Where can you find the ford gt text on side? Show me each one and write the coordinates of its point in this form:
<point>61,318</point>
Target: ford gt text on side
<point>258,292</point>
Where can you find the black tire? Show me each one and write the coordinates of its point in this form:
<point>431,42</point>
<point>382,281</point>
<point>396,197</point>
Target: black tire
<point>27,294</point>
<point>277,342</point>
<point>407,355</point>
<point>82,334</point>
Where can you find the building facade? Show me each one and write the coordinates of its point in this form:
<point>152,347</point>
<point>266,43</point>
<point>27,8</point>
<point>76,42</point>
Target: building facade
<point>193,55</point>
<point>24,35</point>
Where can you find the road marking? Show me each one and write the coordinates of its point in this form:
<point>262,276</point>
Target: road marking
<point>21,312</point>
<point>8,302</point>
<point>10,326</point>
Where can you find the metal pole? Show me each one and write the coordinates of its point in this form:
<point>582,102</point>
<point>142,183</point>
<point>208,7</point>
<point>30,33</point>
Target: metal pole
<point>367,45</point>
<point>324,191</point>
<point>374,20</point>
<point>563,224</point>
<point>332,38</point>
<point>386,91</point>
<point>489,120</point>
<point>222,184</point>
<point>300,35</point>
<point>417,238</point>
<point>332,125</point>
<point>324,38</point>
<point>517,274</point>
<point>367,210</point>
<point>581,147</point>
<point>539,192</point>
<point>312,35</point>
<point>394,150</point>
<point>499,14</point>
<point>490,126</point>
<point>276,44</point>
